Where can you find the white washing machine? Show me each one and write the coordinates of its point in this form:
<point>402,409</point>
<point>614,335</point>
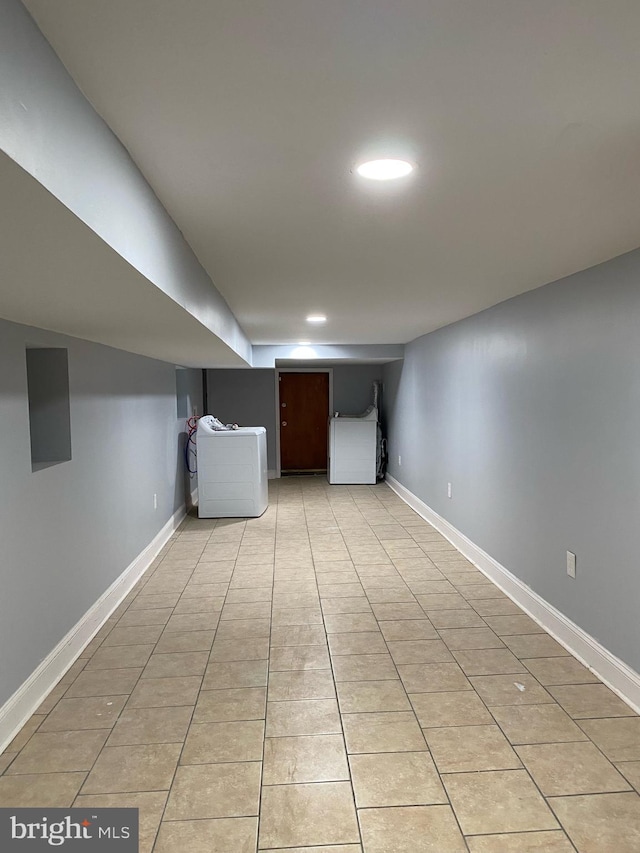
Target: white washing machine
<point>232,471</point>
<point>353,447</point>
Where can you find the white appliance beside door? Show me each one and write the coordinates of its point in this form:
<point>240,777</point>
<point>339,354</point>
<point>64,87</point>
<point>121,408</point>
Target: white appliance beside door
<point>232,471</point>
<point>353,449</point>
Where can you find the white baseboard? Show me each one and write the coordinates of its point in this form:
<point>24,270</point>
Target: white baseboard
<point>17,710</point>
<point>615,673</point>
<point>272,474</point>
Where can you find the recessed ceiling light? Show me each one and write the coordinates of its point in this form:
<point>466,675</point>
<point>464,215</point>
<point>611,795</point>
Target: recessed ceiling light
<point>316,318</point>
<point>384,170</point>
<point>304,352</point>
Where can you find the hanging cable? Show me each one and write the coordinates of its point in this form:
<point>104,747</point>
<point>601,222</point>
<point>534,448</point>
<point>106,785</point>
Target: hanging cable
<point>190,445</point>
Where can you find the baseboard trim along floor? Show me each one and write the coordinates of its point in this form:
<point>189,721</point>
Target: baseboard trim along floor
<point>17,710</point>
<point>615,673</point>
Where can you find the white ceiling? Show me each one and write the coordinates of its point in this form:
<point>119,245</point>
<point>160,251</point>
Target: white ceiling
<point>247,117</point>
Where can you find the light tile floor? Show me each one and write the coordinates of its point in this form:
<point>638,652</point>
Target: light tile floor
<point>333,678</point>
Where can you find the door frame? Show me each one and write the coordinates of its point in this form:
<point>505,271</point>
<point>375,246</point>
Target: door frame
<point>280,370</point>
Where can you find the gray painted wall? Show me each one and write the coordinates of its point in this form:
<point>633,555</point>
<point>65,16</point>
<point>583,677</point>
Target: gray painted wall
<point>353,387</point>
<point>532,411</point>
<point>50,129</point>
<point>245,397</point>
<point>69,530</point>
<point>248,397</point>
<point>291,355</point>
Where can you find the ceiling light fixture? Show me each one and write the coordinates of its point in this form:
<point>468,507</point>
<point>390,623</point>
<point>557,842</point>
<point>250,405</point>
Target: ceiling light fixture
<point>384,170</point>
<point>316,318</point>
<point>304,352</point>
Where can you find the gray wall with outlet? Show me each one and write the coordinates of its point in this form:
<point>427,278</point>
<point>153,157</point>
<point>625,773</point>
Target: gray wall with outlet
<point>531,410</point>
<point>69,529</point>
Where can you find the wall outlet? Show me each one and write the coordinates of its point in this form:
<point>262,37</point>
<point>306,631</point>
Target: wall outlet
<point>399,460</point>
<point>571,564</point>
<point>194,411</point>
<point>155,501</point>
<point>448,490</point>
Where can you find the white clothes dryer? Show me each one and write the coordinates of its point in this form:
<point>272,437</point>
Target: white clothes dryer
<point>353,447</point>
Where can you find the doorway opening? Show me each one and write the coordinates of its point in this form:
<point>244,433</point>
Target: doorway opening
<point>303,403</point>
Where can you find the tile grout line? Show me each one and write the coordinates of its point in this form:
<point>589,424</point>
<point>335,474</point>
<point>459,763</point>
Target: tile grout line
<point>489,771</point>
<point>340,715</point>
<point>446,793</point>
<point>309,500</point>
<point>335,687</point>
<point>104,746</point>
<point>186,735</point>
<point>266,697</point>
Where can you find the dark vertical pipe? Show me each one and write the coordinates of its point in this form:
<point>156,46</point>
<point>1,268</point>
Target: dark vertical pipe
<point>205,393</point>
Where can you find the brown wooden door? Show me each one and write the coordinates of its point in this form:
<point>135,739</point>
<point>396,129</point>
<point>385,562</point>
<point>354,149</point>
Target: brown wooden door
<point>304,410</point>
